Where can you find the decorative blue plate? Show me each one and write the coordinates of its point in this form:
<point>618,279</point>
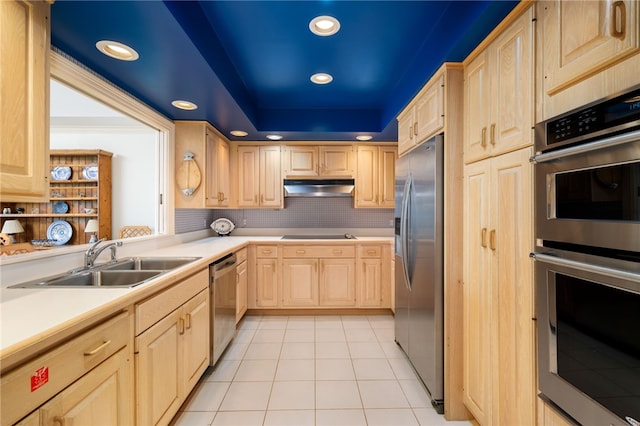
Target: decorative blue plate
<point>61,173</point>
<point>60,207</point>
<point>61,231</point>
<point>90,172</point>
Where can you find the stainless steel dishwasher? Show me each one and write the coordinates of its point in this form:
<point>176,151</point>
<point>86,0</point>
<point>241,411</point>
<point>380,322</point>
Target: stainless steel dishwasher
<point>222,287</point>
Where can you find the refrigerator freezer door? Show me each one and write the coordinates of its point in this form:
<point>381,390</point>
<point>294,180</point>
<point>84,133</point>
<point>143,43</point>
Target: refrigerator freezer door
<point>401,284</point>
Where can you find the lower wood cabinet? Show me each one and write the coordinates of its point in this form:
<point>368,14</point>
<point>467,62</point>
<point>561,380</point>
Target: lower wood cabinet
<point>374,276</point>
<point>173,353</point>
<point>242,279</point>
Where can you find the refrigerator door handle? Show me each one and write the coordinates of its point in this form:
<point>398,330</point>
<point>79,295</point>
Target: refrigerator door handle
<point>404,229</point>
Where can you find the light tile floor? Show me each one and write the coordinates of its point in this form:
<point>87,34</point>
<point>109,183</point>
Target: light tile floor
<point>311,370</point>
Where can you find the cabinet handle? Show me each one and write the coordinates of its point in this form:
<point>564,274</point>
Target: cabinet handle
<point>188,320</point>
<point>266,251</point>
<point>371,252</point>
<point>98,349</point>
<point>337,252</point>
<point>618,10</point>
<point>300,251</point>
<point>493,134</point>
<point>255,199</point>
<point>415,128</point>
<point>262,199</point>
<point>60,420</point>
<point>181,326</point>
<point>492,240</point>
<point>483,139</point>
<point>411,131</point>
<point>483,237</point>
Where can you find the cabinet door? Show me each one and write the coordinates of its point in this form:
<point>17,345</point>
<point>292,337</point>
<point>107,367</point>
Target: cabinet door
<point>370,283</point>
<point>266,283</point>
<point>103,396</point>
<point>24,102</point>
<point>196,345</point>
<point>270,180</point>
<point>248,176</point>
<point>510,242</point>
<point>242,280</point>
<point>476,108</point>
<point>299,282</point>
<point>301,161</point>
<point>367,177</point>
<point>387,175</point>
<point>429,112</point>
<point>337,282</point>
<point>582,38</point>
<point>336,161</point>
<point>511,98</point>
<point>217,173</point>
<point>406,141</point>
<point>477,292</point>
<point>159,371</point>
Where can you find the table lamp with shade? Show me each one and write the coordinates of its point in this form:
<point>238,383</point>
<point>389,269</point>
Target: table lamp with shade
<point>12,227</point>
<point>92,226</point>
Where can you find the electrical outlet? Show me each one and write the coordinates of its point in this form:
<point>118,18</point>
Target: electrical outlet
<point>204,223</point>
<point>244,222</point>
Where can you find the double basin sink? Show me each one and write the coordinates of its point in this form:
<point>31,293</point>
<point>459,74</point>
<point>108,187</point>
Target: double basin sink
<point>122,273</point>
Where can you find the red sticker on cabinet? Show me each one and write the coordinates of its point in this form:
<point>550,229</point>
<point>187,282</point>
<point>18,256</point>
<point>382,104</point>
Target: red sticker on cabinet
<point>39,378</point>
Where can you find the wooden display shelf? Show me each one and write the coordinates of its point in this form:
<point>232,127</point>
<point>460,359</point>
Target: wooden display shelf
<point>74,181</point>
<point>52,200</point>
<point>14,215</point>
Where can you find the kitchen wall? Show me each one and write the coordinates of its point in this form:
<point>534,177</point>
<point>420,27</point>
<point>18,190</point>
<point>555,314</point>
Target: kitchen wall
<point>298,213</point>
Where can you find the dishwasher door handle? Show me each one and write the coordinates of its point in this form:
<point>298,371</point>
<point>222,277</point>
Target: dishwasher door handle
<point>223,268</point>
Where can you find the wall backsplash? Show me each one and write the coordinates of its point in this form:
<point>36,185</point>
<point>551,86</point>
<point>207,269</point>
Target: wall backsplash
<point>298,213</point>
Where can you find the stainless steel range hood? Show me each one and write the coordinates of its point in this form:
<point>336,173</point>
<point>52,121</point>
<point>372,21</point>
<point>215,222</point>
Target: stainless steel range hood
<point>318,187</point>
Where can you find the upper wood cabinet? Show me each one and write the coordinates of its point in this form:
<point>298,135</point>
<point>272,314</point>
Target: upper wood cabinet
<point>211,154</point>
<point>24,101</point>
<point>586,50</point>
<point>424,116</point>
<point>498,102</point>
<point>375,178</point>
<point>582,38</point>
<point>318,161</point>
<point>258,176</point>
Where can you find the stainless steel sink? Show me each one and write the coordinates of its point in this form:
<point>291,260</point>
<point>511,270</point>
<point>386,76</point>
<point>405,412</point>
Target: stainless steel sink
<point>124,273</point>
<point>149,263</point>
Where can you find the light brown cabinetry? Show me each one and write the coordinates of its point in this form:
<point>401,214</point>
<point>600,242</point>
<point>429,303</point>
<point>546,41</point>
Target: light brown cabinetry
<point>310,161</point>
<point>318,276</point>
<point>267,277</point>
<point>84,195</point>
<point>242,280</point>
<point>375,178</point>
<point>172,347</point>
<point>211,154</point>
<point>373,276</point>
<point>587,50</point>
<point>498,343</point>
<point>86,380</point>
<point>258,177</point>
<point>498,105</point>
<point>423,118</point>
<point>24,100</point>
<point>548,416</point>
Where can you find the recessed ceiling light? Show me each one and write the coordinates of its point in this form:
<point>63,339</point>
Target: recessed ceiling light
<point>184,105</point>
<point>239,133</point>
<point>322,78</point>
<point>364,137</point>
<point>117,50</point>
<point>274,137</point>
<point>324,25</point>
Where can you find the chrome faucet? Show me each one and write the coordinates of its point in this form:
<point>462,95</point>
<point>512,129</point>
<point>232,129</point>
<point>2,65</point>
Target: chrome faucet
<point>93,252</point>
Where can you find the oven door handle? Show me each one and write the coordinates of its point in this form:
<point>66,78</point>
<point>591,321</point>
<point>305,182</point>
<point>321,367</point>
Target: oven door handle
<point>587,267</point>
<point>588,147</point>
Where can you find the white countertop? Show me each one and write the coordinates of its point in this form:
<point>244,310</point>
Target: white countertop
<point>27,315</point>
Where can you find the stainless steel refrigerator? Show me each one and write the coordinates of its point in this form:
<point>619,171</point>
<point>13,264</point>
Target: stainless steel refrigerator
<point>419,326</point>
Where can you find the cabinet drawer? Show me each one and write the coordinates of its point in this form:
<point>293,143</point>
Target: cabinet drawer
<point>267,251</point>
<point>370,251</point>
<point>319,251</point>
<point>157,307</point>
<point>241,255</point>
<point>27,387</point>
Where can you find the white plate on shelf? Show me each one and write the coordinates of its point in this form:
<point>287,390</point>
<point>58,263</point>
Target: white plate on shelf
<point>90,172</point>
<point>61,231</point>
<point>60,207</point>
<point>61,173</point>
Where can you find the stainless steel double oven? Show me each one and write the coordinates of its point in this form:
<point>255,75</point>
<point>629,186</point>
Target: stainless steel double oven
<point>587,260</point>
